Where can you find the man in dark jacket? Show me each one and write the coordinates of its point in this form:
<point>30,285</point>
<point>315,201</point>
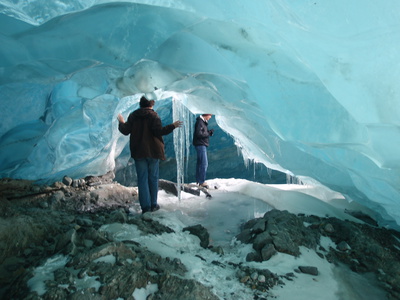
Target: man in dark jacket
<point>201,142</point>
<point>147,148</point>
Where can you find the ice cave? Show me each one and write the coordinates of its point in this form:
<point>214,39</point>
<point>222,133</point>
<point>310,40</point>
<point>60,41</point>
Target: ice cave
<point>304,88</point>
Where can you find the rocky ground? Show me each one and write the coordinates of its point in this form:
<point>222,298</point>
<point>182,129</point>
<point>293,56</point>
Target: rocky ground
<point>39,222</point>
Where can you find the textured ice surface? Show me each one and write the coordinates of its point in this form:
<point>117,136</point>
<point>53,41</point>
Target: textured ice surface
<point>305,87</point>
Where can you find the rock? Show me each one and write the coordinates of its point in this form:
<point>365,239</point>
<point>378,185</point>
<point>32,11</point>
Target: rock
<point>343,246</point>
<point>259,226</point>
<point>362,216</point>
<point>174,288</point>
<point>309,270</point>
<point>290,232</point>
<point>249,224</point>
<point>84,221</point>
<point>58,185</point>
<point>219,250</point>
<point>98,180</point>
<point>284,243</point>
<point>62,240</point>
<point>78,183</point>
<point>329,228</point>
<point>201,232</point>
<point>218,263</point>
<point>57,198</point>
<point>245,236</point>
<point>98,238</point>
<point>81,182</point>
<point>118,216</point>
<point>257,279</point>
<point>168,186</point>
<point>149,226</point>
<point>75,183</point>
<point>254,256</point>
<point>254,276</point>
<point>194,190</point>
<point>172,188</point>
<point>273,232</point>
<point>261,240</point>
<point>67,180</point>
<point>261,278</point>
<point>44,204</point>
<point>267,252</point>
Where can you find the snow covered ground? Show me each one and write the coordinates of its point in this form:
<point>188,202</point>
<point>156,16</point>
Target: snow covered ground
<point>234,202</point>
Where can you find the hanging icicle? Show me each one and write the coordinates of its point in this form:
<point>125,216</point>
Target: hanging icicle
<point>182,138</point>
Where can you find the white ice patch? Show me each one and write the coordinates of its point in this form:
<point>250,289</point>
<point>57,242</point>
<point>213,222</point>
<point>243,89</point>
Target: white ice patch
<point>327,243</point>
<point>110,259</point>
<point>45,272</point>
<point>143,293</point>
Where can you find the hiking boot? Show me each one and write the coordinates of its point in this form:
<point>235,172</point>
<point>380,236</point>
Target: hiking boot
<point>155,208</point>
<point>145,210</point>
<point>204,185</point>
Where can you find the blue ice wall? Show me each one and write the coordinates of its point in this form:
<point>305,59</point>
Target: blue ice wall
<point>309,88</point>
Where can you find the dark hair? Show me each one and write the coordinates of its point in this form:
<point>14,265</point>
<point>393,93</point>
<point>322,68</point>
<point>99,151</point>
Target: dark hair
<point>146,103</point>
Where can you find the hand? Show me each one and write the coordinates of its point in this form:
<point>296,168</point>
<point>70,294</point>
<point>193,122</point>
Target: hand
<point>120,118</point>
<point>177,124</point>
<point>211,132</point>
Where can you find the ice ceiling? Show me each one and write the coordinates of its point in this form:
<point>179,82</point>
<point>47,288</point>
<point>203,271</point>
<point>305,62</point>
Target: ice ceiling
<point>305,87</point>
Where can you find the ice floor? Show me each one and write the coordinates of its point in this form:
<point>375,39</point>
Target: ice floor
<point>222,215</point>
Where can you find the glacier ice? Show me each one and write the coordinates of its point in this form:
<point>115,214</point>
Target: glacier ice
<point>308,88</point>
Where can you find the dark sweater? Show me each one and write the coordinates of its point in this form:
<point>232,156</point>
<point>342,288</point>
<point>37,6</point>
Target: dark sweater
<point>146,131</point>
<point>201,134</point>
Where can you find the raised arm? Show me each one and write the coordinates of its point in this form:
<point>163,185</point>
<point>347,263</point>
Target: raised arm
<point>124,127</point>
<point>159,130</point>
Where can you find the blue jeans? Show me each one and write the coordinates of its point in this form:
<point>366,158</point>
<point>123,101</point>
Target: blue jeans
<point>147,170</point>
<point>202,164</point>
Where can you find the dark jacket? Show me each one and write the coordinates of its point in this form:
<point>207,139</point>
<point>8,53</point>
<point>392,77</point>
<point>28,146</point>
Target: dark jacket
<point>144,126</point>
<point>201,134</point>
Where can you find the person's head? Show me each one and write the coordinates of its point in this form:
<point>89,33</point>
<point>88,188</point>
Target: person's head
<point>146,103</point>
<point>206,116</point>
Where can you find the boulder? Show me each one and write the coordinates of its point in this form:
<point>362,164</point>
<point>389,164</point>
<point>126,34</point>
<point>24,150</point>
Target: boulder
<point>201,232</point>
<point>309,270</point>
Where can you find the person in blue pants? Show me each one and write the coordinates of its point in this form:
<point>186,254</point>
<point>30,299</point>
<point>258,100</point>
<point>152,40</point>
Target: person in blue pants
<point>201,136</point>
<point>147,148</point>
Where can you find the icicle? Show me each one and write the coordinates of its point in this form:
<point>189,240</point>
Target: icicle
<point>269,171</point>
<point>293,180</point>
<point>182,139</point>
<point>288,179</point>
